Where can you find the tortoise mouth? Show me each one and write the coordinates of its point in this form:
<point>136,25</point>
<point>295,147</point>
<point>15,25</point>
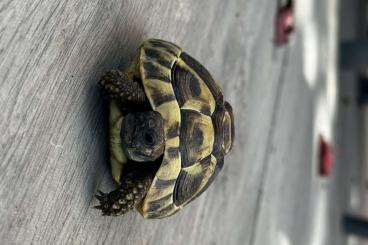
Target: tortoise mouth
<point>149,169</point>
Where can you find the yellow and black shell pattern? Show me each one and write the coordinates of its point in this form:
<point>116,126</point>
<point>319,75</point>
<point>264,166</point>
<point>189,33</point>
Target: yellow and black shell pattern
<point>198,126</point>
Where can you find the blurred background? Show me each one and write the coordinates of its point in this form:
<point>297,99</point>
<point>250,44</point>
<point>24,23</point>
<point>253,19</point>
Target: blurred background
<point>353,88</point>
<point>295,72</point>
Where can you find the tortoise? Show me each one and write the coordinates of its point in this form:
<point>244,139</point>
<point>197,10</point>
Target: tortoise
<point>170,129</point>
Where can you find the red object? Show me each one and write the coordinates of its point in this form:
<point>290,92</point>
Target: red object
<point>284,23</point>
<point>326,157</point>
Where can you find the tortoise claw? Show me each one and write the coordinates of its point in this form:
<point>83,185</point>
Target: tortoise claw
<point>98,207</point>
<point>100,198</point>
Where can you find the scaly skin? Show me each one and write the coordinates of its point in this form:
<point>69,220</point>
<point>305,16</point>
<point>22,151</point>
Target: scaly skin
<point>123,88</point>
<point>130,193</point>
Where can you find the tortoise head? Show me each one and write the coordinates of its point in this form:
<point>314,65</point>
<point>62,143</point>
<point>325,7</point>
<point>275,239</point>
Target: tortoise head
<point>142,136</point>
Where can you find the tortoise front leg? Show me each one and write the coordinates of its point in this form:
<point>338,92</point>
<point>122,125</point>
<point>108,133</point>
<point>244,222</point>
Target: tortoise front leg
<point>124,89</point>
<point>129,194</point>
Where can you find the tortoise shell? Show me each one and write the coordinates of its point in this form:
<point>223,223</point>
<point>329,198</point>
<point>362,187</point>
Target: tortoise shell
<point>198,126</point>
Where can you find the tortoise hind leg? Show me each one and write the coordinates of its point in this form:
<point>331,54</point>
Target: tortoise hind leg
<point>123,88</point>
<point>129,194</point>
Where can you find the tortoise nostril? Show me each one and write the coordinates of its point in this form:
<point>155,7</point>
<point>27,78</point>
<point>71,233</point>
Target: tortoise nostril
<point>148,138</point>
